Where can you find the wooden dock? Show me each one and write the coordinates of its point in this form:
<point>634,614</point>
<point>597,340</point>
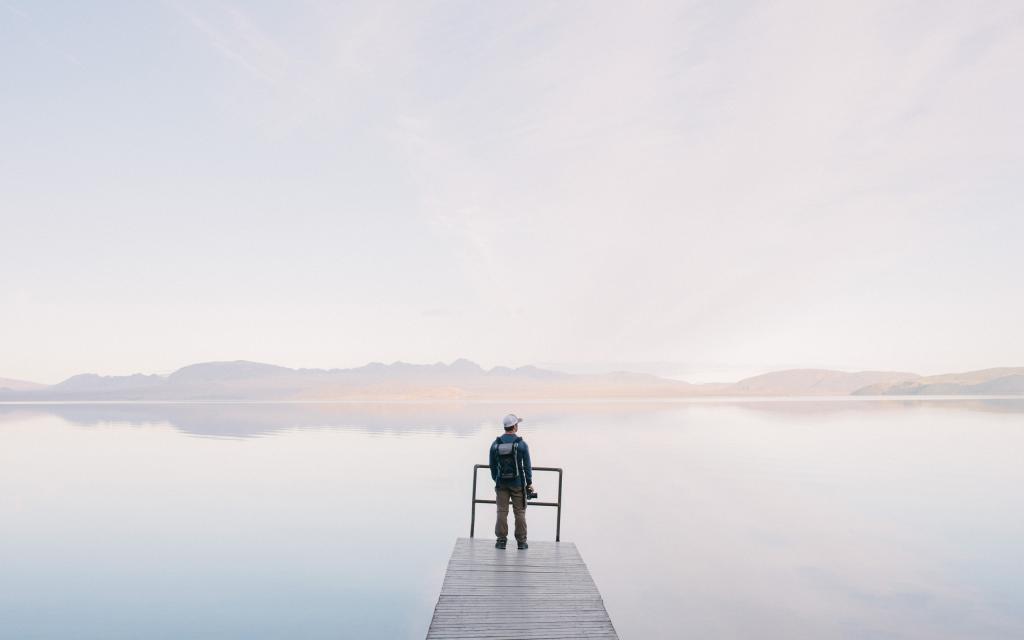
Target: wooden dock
<point>542,592</point>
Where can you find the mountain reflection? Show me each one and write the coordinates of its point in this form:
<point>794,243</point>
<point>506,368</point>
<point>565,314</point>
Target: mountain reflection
<point>242,420</point>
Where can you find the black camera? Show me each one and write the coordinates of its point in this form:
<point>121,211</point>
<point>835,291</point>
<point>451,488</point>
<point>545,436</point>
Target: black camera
<point>530,495</point>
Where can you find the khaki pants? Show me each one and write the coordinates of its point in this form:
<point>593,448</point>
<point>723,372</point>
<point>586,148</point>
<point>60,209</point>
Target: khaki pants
<point>518,498</point>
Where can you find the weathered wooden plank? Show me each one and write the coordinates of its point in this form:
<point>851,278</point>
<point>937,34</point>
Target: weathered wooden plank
<point>544,592</point>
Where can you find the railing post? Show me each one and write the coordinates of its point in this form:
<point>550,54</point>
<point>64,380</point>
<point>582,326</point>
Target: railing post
<point>472,517</point>
<point>558,518</point>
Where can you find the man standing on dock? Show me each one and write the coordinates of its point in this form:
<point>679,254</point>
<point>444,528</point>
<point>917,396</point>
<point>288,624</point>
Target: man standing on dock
<point>513,481</point>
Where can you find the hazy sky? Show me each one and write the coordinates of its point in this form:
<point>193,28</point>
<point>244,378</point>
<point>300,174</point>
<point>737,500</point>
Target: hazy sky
<point>721,185</point>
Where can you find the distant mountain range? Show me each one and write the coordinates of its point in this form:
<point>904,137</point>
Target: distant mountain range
<point>466,380</point>
<point>999,381</point>
<point>6,384</point>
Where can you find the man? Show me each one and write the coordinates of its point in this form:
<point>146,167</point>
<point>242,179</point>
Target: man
<point>511,471</point>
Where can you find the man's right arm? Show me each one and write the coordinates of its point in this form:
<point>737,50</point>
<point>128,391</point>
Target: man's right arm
<point>527,465</point>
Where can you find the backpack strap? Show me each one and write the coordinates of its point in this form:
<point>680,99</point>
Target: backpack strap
<point>516,460</point>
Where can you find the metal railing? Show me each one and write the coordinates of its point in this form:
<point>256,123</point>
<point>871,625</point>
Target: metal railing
<point>558,504</point>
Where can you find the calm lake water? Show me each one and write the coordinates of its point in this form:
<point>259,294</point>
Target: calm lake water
<point>784,519</point>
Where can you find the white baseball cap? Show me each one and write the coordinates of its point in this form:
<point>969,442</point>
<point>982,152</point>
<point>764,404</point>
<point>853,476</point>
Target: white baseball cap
<point>511,420</point>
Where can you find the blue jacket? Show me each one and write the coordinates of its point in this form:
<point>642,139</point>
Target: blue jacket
<point>524,462</point>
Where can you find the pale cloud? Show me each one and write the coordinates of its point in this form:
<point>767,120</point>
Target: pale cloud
<point>739,185</point>
<point>24,22</point>
<point>677,189</point>
<point>222,42</point>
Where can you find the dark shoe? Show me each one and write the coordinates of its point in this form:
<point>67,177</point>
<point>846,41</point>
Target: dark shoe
<point>500,543</point>
<point>523,545</point>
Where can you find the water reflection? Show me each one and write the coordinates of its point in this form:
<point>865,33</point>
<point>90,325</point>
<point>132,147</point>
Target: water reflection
<point>776,519</point>
<point>260,419</point>
<point>458,419</point>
